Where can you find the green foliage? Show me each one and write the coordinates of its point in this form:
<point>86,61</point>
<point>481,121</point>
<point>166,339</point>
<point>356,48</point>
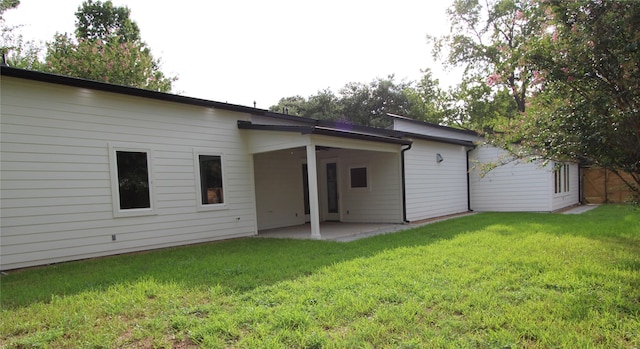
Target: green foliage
<point>488,280</point>
<point>477,106</point>
<point>366,104</point>
<point>18,52</point>
<point>589,106</point>
<point>491,41</point>
<point>569,66</point>
<point>323,105</point>
<point>369,104</point>
<point>7,5</point>
<point>127,63</point>
<point>107,47</point>
<point>103,21</point>
<point>426,99</point>
<point>294,105</point>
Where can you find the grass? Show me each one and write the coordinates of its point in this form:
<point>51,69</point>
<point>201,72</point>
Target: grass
<point>493,280</point>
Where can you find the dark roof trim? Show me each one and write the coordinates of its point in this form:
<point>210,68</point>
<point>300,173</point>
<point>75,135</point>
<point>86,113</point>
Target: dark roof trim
<point>354,135</point>
<point>132,91</point>
<point>424,123</point>
<point>393,133</point>
<point>291,117</point>
<point>437,139</point>
<point>377,132</point>
<point>324,131</point>
<point>248,125</point>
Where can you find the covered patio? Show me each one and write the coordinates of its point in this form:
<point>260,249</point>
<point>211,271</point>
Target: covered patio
<point>310,178</point>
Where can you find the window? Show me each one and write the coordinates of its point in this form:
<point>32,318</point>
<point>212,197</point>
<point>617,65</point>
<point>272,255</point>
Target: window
<point>358,177</point>
<point>566,177</point>
<point>305,188</point>
<point>210,181</point>
<point>132,185</point>
<point>561,179</point>
<point>332,187</point>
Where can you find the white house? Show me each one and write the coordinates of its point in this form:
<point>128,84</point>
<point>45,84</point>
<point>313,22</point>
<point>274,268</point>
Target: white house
<point>92,169</point>
<point>516,185</point>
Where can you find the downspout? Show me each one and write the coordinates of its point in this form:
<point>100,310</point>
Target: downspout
<point>606,186</point>
<point>581,200</point>
<point>468,183</point>
<point>404,186</point>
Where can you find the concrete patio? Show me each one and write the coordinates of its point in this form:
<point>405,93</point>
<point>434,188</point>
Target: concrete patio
<point>579,209</point>
<point>344,232</point>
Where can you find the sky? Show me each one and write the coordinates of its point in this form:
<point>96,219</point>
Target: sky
<point>241,51</point>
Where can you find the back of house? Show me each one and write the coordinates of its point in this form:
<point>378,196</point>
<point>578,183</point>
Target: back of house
<point>92,169</point>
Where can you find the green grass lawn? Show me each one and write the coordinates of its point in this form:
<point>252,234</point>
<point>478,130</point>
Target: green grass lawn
<point>499,280</point>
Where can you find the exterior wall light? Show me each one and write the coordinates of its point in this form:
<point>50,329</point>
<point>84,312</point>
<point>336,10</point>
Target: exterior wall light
<point>439,158</point>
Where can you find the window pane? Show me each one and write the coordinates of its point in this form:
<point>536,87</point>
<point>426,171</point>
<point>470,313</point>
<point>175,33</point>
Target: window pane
<point>305,188</point>
<point>133,180</point>
<point>211,179</point>
<point>359,177</point>
<point>332,187</point>
<point>566,177</point>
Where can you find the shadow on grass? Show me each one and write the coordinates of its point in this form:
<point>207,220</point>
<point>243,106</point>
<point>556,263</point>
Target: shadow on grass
<point>244,264</point>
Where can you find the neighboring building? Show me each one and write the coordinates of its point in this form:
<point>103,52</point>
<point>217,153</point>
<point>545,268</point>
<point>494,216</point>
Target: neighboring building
<point>92,169</point>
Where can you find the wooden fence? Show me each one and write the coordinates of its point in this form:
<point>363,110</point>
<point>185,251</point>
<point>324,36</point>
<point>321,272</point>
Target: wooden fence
<point>603,186</point>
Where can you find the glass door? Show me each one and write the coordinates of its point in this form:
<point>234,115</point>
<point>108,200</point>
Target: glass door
<point>332,209</point>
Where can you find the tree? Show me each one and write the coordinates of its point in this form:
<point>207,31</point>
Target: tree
<point>356,103</point>
<point>323,105</point>
<point>96,20</point>
<point>426,100</point>
<point>491,40</point>
<point>588,108</point>
<point>294,105</point>
<point>107,47</point>
<point>17,51</point>
<point>368,104</point>
<point>474,105</point>
<point>127,63</point>
<point>7,5</point>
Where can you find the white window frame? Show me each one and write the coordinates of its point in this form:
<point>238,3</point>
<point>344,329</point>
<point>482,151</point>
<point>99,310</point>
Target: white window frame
<point>198,182</point>
<point>115,186</point>
<point>368,170</point>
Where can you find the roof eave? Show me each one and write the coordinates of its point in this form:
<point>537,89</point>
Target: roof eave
<point>430,124</point>
<point>247,125</point>
<point>127,90</point>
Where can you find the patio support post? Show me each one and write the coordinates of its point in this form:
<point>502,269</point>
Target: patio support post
<point>314,207</point>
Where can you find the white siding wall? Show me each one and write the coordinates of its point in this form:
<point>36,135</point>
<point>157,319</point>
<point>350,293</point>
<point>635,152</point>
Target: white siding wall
<point>279,192</point>
<point>56,188</point>
<point>435,189</point>
<point>381,201</point>
<point>571,197</point>
<point>515,186</point>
